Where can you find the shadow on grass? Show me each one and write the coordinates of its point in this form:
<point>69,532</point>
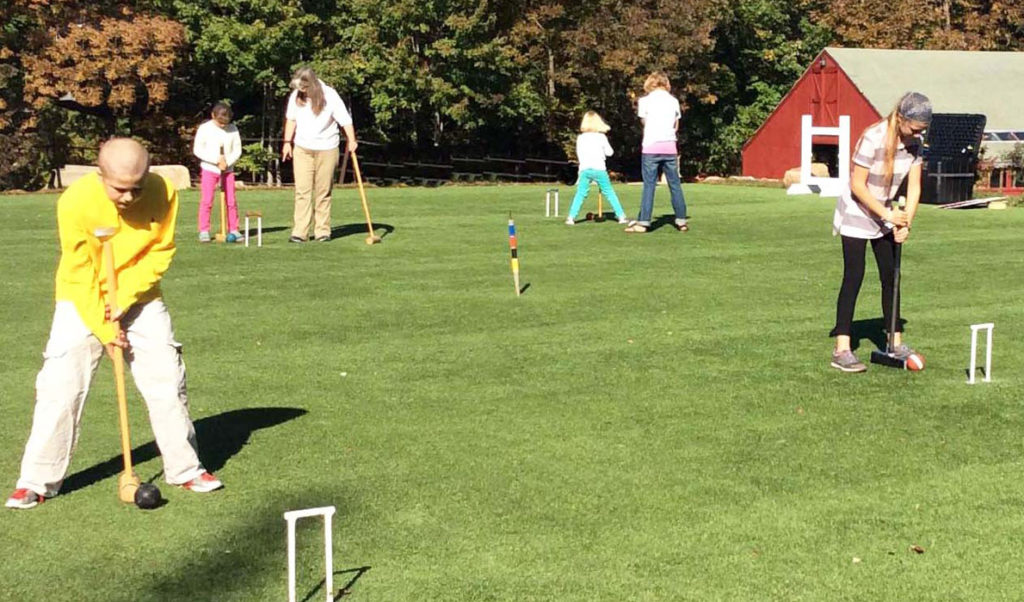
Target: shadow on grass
<point>360,229</point>
<point>256,566</point>
<point>874,330</point>
<point>220,437</point>
<point>345,589</point>
<point>607,216</point>
<point>268,230</point>
<point>668,219</point>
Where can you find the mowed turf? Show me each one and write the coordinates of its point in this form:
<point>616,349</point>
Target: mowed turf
<point>653,419</point>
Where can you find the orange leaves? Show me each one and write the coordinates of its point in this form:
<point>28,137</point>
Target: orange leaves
<point>920,24</point>
<point>111,61</point>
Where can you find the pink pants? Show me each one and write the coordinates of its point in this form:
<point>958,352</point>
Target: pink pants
<point>208,186</point>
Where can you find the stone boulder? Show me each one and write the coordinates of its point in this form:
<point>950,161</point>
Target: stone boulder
<point>818,170</point>
<point>67,175</point>
<point>177,174</point>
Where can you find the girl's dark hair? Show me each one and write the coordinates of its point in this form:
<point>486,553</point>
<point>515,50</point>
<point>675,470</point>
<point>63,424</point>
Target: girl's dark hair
<point>222,112</point>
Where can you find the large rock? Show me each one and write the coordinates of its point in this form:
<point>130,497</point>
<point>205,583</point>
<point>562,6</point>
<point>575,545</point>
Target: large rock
<point>177,174</point>
<point>67,175</point>
<point>818,170</point>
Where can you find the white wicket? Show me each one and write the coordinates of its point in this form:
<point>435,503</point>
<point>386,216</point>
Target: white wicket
<point>974,351</point>
<point>259,227</point>
<point>291,517</point>
<point>547,202</point>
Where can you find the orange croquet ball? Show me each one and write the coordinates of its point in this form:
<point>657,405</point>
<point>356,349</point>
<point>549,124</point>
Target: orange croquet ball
<point>915,362</point>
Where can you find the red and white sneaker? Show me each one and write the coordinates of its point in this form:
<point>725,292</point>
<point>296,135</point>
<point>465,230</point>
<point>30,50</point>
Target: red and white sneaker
<point>23,499</point>
<point>204,483</point>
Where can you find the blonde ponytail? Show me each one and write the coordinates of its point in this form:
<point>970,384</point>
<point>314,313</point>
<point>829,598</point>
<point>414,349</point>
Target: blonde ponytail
<point>892,138</point>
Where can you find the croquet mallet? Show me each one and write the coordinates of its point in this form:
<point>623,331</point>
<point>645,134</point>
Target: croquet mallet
<point>222,234</point>
<point>127,481</point>
<point>887,357</point>
<point>372,238</point>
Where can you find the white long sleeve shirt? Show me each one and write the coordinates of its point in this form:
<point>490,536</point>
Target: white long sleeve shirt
<point>318,132</point>
<point>591,150</point>
<point>212,140</point>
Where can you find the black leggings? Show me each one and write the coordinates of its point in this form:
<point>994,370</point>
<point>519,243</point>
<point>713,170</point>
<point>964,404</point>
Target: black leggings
<point>853,274</point>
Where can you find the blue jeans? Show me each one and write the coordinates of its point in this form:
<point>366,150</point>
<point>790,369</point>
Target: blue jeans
<point>650,165</point>
<point>604,184</point>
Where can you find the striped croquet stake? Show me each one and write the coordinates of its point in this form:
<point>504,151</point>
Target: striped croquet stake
<point>514,250</point>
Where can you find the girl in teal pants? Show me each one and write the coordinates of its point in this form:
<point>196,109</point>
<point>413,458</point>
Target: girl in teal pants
<point>591,149</point>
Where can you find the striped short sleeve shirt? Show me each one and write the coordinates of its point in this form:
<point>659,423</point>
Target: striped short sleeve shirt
<point>853,219</point>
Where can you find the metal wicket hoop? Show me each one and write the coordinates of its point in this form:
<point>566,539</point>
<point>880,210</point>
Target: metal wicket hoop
<point>291,517</point>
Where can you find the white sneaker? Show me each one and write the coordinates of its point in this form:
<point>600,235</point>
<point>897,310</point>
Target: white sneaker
<point>569,221</point>
<point>23,499</point>
<point>623,220</point>
<point>204,483</point>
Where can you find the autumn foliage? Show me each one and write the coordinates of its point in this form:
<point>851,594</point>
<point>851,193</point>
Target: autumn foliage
<point>113,66</point>
<point>484,76</point>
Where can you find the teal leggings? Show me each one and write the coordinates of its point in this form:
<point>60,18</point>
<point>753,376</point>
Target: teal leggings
<point>603,184</point>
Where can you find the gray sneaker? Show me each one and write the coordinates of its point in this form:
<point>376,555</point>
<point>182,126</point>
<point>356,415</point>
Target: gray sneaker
<point>847,362</point>
<point>204,237</point>
<point>902,351</point>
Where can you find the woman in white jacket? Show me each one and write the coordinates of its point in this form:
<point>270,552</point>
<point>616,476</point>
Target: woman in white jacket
<point>218,146</point>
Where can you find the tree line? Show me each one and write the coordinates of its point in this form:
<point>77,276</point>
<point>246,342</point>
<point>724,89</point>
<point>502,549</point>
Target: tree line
<point>506,77</point>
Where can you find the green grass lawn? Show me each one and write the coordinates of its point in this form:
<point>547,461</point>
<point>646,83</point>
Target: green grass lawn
<point>653,419</point>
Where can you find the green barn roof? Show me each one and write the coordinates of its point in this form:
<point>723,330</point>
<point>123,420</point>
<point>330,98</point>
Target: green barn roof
<point>956,81</point>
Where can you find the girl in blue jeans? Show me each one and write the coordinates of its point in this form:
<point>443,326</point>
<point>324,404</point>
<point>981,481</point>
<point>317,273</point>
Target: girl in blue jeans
<point>591,149</point>
<point>660,112</point>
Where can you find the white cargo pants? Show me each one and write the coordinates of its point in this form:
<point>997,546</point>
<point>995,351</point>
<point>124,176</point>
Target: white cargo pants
<point>69,362</point>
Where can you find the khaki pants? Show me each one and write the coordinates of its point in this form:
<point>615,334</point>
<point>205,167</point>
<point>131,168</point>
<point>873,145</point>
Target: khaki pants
<point>70,360</point>
<point>314,178</point>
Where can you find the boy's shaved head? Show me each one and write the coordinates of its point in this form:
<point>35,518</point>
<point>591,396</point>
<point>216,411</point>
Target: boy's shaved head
<point>123,164</point>
<point>123,157</point>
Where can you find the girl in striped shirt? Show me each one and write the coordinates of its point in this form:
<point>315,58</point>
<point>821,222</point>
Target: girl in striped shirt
<point>887,156</point>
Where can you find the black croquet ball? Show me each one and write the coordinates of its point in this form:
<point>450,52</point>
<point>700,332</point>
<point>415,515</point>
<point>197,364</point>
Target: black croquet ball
<point>590,216</point>
<point>147,496</point>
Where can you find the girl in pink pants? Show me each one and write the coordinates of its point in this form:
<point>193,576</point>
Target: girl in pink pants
<point>218,146</point>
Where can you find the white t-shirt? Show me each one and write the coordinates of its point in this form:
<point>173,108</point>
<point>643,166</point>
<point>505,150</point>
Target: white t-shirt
<point>318,132</point>
<point>211,140</point>
<point>591,149</point>
<point>659,110</point>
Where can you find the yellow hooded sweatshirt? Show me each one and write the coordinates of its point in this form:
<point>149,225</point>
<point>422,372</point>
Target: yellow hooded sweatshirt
<point>143,247</point>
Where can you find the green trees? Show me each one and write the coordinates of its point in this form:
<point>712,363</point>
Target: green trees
<point>762,47</point>
<point>499,76</point>
<point>425,73</point>
<point>577,56</point>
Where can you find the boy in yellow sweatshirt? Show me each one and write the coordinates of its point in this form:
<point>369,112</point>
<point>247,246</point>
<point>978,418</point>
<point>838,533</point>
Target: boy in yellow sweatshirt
<point>142,207</point>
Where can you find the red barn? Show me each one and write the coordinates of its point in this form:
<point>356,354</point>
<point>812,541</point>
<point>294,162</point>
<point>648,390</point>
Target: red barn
<point>866,83</point>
